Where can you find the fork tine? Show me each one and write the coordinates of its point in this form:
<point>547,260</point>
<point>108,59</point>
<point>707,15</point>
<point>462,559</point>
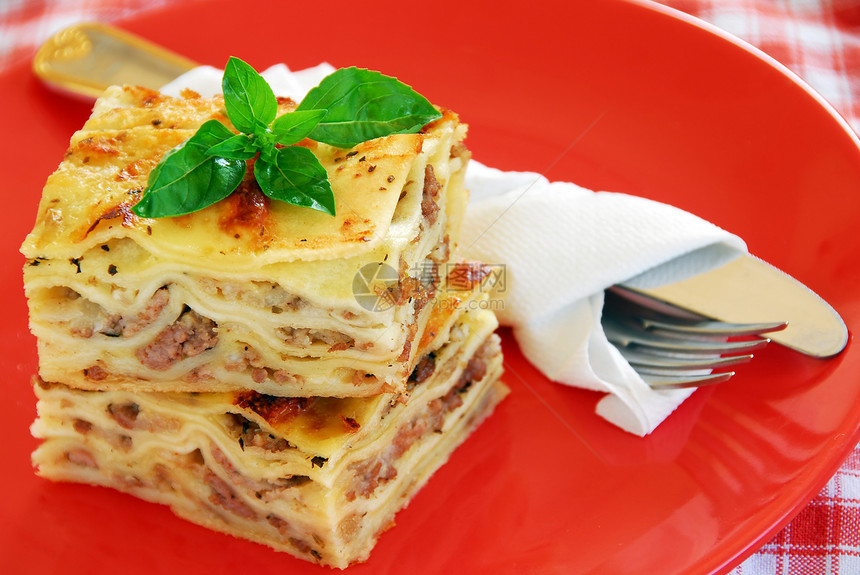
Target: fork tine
<point>644,360</point>
<point>627,335</point>
<point>714,328</point>
<point>680,382</point>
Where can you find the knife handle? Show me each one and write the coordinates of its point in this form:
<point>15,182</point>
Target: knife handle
<point>86,58</point>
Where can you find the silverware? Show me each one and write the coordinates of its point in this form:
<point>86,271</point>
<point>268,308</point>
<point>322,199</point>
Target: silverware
<point>671,348</point>
<point>84,59</point>
<point>748,290</point>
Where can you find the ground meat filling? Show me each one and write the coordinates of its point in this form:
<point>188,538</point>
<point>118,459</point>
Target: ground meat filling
<point>422,371</point>
<point>475,370</point>
<point>306,337</point>
<point>96,372</point>
<point>124,414</point>
<point>459,150</point>
<point>222,494</point>
<point>408,287</point>
<point>301,546</point>
<point>82,457</point>
<point>130,326</point>
<point>249,434</point>
<point>189,336</point>
<point>374,471</point>
<point>430,196</point>
<point>95,320</point>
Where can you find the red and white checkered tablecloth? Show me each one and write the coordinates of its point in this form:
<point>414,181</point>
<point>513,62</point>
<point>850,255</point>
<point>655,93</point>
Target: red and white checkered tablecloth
<point>817,39</point>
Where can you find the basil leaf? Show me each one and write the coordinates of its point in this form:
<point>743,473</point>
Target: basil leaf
<point>189,179</point>
<point>268,154</point>
<point>211,133</point>
<point>296,177</point>
<point>248,98</point>
<point>294,127</point>
<point>237,147</point>
<point>362,105</point>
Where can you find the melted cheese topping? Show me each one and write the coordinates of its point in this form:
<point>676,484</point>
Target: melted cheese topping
<point>88,200</point>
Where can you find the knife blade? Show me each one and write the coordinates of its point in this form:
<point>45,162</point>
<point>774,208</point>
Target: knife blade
<point>749,290</point>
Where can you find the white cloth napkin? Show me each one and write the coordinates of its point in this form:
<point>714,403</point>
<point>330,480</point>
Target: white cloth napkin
<point>562,246</point>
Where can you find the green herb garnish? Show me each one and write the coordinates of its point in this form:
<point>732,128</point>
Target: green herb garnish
<point>350,106</point>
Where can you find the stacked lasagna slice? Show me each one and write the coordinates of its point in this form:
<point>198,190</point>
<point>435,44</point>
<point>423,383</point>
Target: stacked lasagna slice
<point>266,370</point>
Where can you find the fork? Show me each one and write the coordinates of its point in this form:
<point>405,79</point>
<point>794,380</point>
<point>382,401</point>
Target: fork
<point>671,348</point>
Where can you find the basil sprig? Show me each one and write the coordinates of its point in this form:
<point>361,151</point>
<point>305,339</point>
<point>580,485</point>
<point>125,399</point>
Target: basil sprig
<point>350,106</point>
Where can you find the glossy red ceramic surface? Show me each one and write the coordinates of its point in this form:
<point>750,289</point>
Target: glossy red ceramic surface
<point>616,95</point>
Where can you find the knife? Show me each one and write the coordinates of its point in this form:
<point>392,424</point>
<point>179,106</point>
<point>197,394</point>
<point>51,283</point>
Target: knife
<point>749,290</point>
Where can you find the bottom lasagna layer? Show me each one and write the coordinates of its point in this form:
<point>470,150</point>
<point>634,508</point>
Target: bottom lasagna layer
<point>228,474</point>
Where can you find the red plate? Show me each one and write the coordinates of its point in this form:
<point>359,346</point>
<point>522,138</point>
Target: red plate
<point>617,95</point>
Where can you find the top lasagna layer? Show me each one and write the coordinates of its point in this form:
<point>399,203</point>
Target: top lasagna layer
<point>88,200</point>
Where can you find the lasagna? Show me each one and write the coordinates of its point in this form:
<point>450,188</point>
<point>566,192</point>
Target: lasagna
<point>266,371</point>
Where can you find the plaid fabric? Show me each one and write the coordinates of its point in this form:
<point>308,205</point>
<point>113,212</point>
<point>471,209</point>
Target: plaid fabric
<point>817,39</point>
<point>823,538</point>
